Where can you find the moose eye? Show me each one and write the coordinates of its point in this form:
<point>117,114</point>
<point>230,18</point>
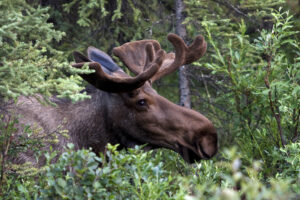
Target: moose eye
<point>142,102</point>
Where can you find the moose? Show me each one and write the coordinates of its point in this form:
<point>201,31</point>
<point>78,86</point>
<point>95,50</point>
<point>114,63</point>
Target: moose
<point>126,110</point>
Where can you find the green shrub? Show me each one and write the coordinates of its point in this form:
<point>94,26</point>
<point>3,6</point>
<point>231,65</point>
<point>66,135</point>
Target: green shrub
<point>287,163</point>
<point>159,174</point>
<point>118,175</point>
<point>261,84</point>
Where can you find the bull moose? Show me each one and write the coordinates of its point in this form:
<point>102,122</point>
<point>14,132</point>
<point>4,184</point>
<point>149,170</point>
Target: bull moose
<point>126,110</point>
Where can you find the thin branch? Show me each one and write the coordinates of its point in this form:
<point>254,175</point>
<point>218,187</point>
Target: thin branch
<point>218,106</point>
<point>236,97</point>
<point>235,9</point>
<point>272,105</point>
<point>5,148</point>
<point>296,133</point>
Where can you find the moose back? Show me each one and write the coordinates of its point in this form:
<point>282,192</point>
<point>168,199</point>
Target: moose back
<point>126,110</point>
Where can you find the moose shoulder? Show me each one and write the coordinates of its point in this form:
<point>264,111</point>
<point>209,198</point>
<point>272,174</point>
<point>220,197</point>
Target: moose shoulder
<point>126,110</point>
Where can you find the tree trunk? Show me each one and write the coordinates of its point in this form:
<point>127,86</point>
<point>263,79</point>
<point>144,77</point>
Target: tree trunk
<point>184,90</point>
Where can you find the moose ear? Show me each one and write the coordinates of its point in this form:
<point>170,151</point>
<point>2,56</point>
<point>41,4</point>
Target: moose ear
<point>101,57</point>
<point>78,57</point>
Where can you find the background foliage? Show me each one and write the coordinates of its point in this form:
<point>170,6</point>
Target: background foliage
<point>247,84</point>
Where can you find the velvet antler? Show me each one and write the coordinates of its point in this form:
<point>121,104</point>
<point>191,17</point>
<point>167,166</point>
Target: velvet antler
<point>111,83</point>
<point>136,58</point>
<point>144,58</point>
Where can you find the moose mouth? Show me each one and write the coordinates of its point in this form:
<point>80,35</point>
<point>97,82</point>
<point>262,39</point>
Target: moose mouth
<point>190,155</point>
<point>187,154</point>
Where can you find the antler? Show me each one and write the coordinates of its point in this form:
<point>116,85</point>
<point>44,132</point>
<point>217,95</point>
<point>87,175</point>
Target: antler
<point>111,83</point>
<point>134,54</point>
<point>144,58</point>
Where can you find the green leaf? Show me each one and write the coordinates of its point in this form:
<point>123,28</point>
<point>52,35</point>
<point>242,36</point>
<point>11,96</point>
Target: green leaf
<point>61,182</point>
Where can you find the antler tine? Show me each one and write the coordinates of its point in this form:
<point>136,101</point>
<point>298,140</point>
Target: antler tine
<point>183,54</point>
<point>159,56</point>
<point>137,55</point>
<point>149,55</point>
<point>196,50</point>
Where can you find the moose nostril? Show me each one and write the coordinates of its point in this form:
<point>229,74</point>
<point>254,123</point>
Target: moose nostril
<point>208,145</point>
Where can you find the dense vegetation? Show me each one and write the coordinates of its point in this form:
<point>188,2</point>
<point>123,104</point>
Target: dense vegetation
<point>247,84</point>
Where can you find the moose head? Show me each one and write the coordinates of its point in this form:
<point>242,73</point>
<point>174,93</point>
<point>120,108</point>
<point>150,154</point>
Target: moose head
<point>134,112</point>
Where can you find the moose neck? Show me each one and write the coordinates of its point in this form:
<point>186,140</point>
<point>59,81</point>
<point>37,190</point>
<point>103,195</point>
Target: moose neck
<point>94,127</point>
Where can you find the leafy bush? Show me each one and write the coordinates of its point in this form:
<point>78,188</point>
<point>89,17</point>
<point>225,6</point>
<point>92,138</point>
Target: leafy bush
<point>132,175</point>
<point>287,161</point>
<point>159,174</point>
<point>260,80</point>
